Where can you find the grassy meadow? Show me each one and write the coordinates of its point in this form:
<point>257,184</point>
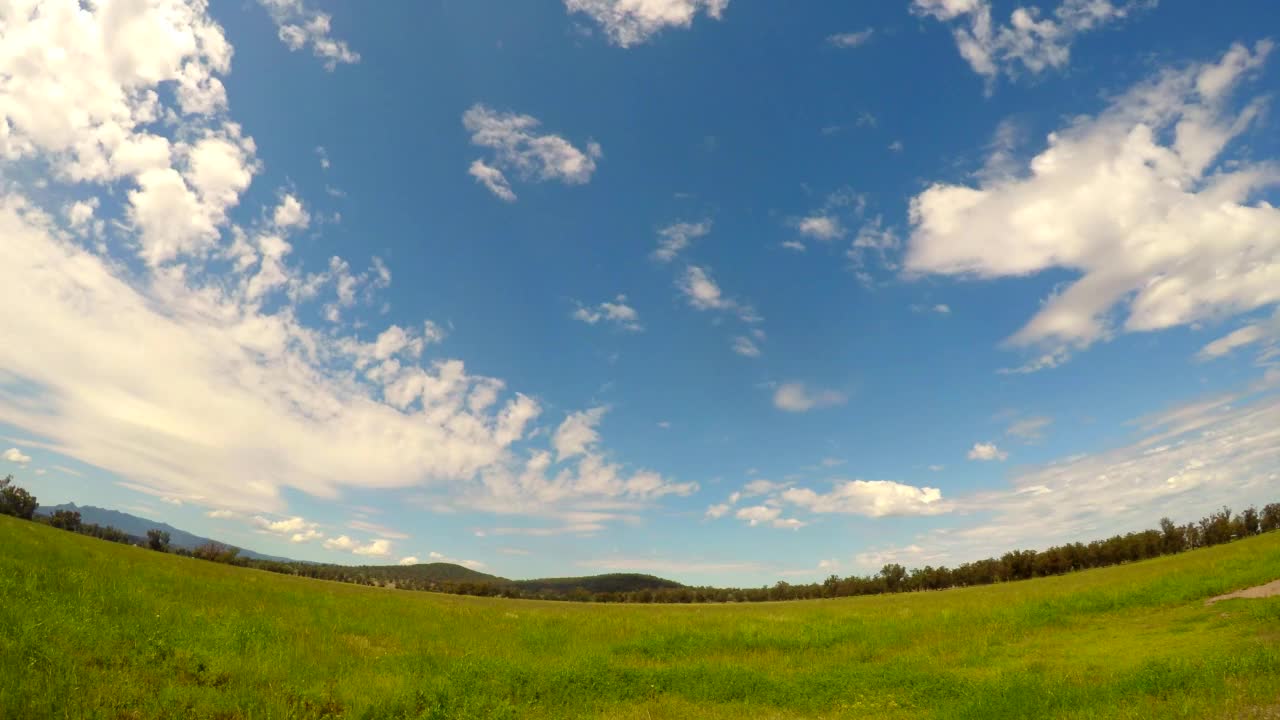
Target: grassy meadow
<point>90,629</point>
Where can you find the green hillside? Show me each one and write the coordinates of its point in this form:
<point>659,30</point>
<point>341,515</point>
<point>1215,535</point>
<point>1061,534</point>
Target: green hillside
<point>436,572</point>
<point>609,583</point>
<point>100,630</point>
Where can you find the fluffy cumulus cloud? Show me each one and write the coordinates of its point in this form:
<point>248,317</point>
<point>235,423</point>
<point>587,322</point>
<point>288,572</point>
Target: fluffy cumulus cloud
<point>519,148</point>
<point>820,227</point>
<point>769,515</point>
<point>408,560</point>
<point>633,22</point>
<point>300,27</point>
<point>172,346</point>
<point>1225,450</point>
<point>702,292</point>
<point>617,313</point>
<point>1140,201</point>
<point>578,488</point>
<point>870,498</point>
<point>1032,42</point>
<point>798,397</point>
<point>675,238</point>
<point>295,529</point>
<point>374,548</point>
<point>987,452</point>
<point>577,433</point>
<point>840,210</point>
<point>14,455</point>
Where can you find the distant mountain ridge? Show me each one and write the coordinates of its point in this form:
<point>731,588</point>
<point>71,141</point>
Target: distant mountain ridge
<point>138,527</point>
<point>424,573</point>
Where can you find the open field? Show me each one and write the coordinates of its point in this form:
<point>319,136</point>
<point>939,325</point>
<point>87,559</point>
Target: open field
<point>100,630</point>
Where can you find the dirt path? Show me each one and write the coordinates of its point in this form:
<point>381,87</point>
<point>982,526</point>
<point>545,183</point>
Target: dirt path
<point>1271,589</point>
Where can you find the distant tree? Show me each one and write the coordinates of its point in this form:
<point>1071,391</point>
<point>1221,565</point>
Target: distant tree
<point>158,540</point>
<point>66,520</point>
<point>893,575</point>
<point>1172,537</point>
<point>1216,528</point>
<point>16,501</point>
<point>1249,520</point>
<point>1271,517</point>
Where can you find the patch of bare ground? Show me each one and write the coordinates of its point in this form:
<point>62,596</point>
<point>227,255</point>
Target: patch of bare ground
<point>1271,589</point>
<point>1259,713</point>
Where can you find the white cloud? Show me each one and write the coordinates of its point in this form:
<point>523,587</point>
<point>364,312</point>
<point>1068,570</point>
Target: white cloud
<point>436,557</point>
<point>820,227</point>
<point>14,455</point>
<point>195,373</point>
<point>757,487</point>
<point>633,22</point>
<point>410,560</point>
<point>896,146</point>
<point>306,536</point>
<point>299,27</point>
<point>940,309</point>
<point>1192,459</point>
<point>1138,201</point>
<point>617,312</point>
<point>291,214</point>
<point>797,397</point>
<point>295,528</point>
<point>872,498</point>
<point>1030,42</point>
<point>517,148</point>
<point>343,543</point>
<point>702,293</point>
<point>1246,335</point>
<point>578,433</point>
<point>493,179</point>
<point>80,216</point>
<point>795,245</point>
<point>1265,332</point>
<point>851,39</point>
<point>746,347</point>
<point>675,238</point>
<point>768,515</point>
<point>716,512</point>
<point>220,514</point>
<point>1031,428</point>
<point>377,548</point>
<point>987,452</point>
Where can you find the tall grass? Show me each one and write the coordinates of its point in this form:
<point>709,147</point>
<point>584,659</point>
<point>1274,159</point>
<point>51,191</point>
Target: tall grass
<point>98,630</point>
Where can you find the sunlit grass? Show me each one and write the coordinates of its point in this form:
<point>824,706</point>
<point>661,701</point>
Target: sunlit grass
<point>99,630</point>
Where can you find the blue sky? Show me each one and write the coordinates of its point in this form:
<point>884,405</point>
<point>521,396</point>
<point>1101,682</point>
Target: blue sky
<point>714,289</point>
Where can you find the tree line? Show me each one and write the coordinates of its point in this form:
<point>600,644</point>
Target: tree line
<point>1218,527</point>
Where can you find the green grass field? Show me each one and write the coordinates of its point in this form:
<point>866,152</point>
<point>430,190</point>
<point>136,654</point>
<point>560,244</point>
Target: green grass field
<point>90,629</point>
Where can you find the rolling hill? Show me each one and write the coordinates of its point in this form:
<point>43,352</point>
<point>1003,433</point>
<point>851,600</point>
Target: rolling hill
<point>138,527</point>
<point>102,630</point>
<point>415,575</point>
